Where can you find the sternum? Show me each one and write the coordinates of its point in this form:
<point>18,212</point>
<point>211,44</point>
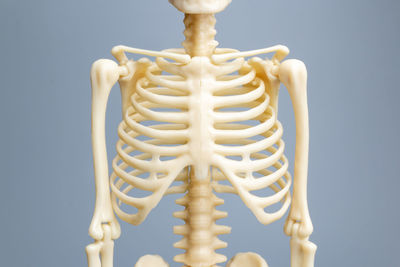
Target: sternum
<point>201,122</point>
<point>200,82</point>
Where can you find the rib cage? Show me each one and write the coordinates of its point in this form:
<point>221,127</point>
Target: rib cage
<point>156,143</point>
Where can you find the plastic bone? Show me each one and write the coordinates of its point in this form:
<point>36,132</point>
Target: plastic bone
<point>196,121</point>
<point>151,261</point>
<point>248,259</point>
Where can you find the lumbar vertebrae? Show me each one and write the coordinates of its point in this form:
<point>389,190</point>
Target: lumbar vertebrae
<point>188,118</point>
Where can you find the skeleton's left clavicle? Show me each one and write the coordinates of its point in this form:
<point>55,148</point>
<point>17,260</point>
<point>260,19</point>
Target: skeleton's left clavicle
<point>280,50</point>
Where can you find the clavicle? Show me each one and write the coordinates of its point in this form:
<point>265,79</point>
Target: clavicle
<point>281,52</point>
<point>118,53</point>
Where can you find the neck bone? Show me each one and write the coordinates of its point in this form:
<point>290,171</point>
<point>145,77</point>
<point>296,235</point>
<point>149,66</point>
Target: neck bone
<point>200,32</point>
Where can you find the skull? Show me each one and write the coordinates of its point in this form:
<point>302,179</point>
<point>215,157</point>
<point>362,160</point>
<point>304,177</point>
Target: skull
<point>200,6</point>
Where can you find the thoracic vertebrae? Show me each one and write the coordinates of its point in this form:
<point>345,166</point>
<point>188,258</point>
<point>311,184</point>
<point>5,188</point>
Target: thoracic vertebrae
<point>200,123</point>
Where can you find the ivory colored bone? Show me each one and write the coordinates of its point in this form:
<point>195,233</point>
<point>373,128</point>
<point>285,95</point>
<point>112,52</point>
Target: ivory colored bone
<point>188,117</point>
<point>105,73</point>
<point>248,259</point>
<point>151,261</point>
<point>100,253</point>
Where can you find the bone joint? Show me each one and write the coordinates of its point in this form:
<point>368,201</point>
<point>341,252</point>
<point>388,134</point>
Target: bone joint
<point>200,120</point>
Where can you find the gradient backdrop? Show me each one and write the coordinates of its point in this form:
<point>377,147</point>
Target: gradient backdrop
<point>47,185</point>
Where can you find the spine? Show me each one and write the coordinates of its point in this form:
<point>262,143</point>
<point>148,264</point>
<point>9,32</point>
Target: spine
<point>200,232</point>
<point>200,32</point>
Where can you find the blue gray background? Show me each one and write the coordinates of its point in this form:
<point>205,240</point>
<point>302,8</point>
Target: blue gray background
<point>47,185</point>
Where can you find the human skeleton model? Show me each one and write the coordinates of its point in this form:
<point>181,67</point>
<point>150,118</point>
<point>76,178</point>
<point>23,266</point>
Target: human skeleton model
<point>189,117</point>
